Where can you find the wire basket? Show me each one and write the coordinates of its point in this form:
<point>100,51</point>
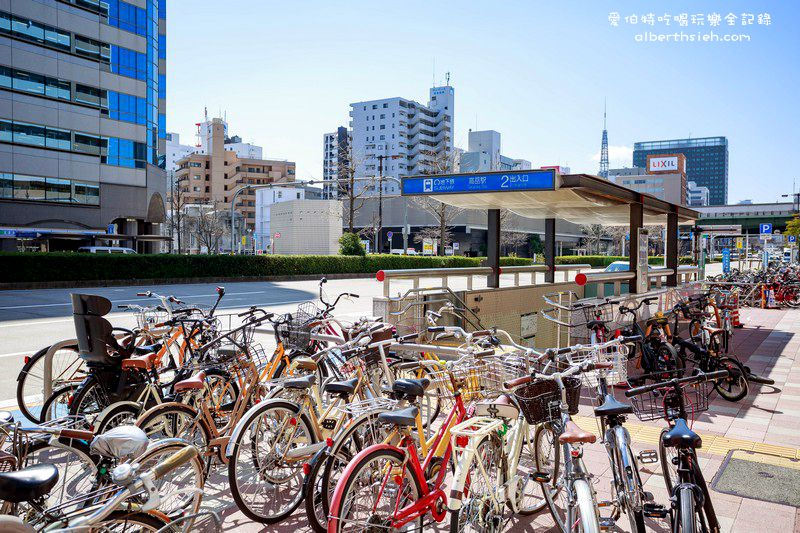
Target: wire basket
<point>370,405</point>
<point>663,404</point>
<point>148,317</point>
<point>616,354</point>
<point>295,333</point>
<point>540,400</point>
<point>478,378</point>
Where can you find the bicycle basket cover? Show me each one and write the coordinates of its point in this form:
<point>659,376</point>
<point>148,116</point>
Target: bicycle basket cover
<point>120,442</point>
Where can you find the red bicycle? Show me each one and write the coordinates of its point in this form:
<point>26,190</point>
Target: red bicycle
<point>386,487</point>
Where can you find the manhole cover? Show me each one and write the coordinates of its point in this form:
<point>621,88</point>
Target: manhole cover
<point>760,476</point>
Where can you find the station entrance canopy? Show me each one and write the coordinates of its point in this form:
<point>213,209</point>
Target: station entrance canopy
<point>543,194</point>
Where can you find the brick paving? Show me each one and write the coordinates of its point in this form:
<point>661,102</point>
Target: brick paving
<point>769,344</point>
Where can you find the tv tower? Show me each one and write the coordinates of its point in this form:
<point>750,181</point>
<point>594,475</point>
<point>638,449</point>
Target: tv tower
<point>604,148</point>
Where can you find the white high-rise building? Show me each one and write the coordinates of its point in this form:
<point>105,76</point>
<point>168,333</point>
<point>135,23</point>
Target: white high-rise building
<point>406,136</point>
<point>175,151</point>
<point>484,154</point>
<point>697,196</point>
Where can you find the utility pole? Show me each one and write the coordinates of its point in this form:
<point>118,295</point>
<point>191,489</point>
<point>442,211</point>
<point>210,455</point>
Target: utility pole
<point>379,233</point>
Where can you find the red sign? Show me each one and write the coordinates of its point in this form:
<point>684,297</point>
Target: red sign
<point>277,235</point>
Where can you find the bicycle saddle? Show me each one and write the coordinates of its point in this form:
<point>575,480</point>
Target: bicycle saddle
<point>680,436</point>
<point>27,484</point>
<point>120,442</point>
<point>612,407</point>
<point>341,387</point>
<point>300,383</point>
<point>195,382</point>
<point>411,387</point>
<point>504,407</point>
<point>141,362</point>
<point>147,348</point>
<point>401,417</point>
<point>305,363</point>
<point>572,434</point>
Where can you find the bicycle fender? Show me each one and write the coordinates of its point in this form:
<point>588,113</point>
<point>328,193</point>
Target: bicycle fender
<point>27,366</point>
<point>321,455</point>
<point>240,425</point>
<point>104,412</point>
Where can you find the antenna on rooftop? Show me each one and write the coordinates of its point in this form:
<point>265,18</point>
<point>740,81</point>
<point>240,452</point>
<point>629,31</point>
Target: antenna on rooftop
<point>447,79</point>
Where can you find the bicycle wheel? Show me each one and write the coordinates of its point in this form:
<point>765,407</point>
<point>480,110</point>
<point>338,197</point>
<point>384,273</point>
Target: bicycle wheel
<point>117,415</point>
<point>547,458</point>
<point>326,471</point>
<point>479,509</point>
<point>687,520</point>
<point>359,505</point>
<point>175,420</point>
<point>265,471</point>
<point>221,393</point>
<point>66,368</point>
<point>734,387</point>
<point>633,488</point>
<point>90,399</point>
<point>589,519</point>
<point>131,522</point>
<point>181,489</point>
<point>57,405</point>
<point>76,472</point>
<point>668,458</point>
<point>532,500</point>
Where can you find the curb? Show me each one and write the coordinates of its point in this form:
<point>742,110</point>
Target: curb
<point>171,281</point>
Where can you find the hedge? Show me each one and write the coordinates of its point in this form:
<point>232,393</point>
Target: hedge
<point>65,266</point>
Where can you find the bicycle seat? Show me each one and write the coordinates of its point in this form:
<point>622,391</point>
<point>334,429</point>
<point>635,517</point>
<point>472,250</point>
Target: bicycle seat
<point>300,383</point>
<point>141,362</point>
<point>595,324</point>
<point>680,436</point>
<point>341,387</point>
<point>27,484</point>
<point>572,434</point>
<point>147,348</point>
<point>195,382</point>
<point>411,387</point>
<point>305,363</point>
<point>120,442</point>
<point>401,417</point>
<point>612,407</point>
<point>503,407</point>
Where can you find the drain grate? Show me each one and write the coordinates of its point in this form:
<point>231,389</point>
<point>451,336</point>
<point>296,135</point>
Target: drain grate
<point>760,476</point>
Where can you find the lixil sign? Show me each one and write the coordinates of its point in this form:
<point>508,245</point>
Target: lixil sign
<point>666,164</point>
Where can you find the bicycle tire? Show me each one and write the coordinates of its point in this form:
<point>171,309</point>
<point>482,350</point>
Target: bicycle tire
<point>296,497</point>
<point>686,507</point>
<point>544,463</point>
<point>587,506</point>
<point>55,406</point>
<point>737,374</point>
<point>117,415</point>
<point>146,520</point>
<point>665,457</point>
<point>342,490</point>
<point>495,446</point>
<point>147,422</point>
<point>529,449</point>
<point>30,377</point>
<point>90,390</point>
<point>195,467</point>
<point>633,483</point>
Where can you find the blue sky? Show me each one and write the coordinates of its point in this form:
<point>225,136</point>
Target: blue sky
<point>536,71</point>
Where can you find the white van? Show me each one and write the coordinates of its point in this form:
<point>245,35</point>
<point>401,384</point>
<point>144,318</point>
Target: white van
<point>106,250</point>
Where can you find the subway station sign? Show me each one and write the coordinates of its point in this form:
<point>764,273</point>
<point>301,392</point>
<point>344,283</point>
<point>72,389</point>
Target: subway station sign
<point>517,180</point>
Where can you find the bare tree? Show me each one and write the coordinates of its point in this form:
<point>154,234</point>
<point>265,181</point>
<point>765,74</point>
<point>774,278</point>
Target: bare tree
<point>510,240</point>
<point>618,234</point>
<point>443,214</point>
<point>209,227</point>
<point>177,213</point>
<point>353,192</point>
<point>594,233</point>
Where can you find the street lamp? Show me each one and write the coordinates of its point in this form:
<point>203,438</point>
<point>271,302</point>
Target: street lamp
<point>379,236</point>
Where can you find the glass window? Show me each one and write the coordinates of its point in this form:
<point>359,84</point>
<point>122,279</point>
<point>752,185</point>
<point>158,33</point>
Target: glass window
<point>27,29</point>
<point>5,23</point>
<point>29,134</point>
<point>87,95</point>
<point>87,144</point>
<point>87,47</point>
<point>58,190</point>
<point>6,129</point>
<point>29,82</point>
<point>57,38</point>
<point>162,46</point>
<point>29,187</point>
<point>57,88</point>
<point>85,193</point>
<point>6,185</point>
<point>6,76</point>
<point>60,139</point>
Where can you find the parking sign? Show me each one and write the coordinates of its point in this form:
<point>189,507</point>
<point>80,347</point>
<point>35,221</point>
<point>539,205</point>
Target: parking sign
<point>765,229</point>
<point>792,238</point>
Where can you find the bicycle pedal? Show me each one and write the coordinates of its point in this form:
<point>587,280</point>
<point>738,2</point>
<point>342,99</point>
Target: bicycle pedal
<point>648,456</point>
<point>607,523</point>
<point>541,477</point>
<point>654,510</point>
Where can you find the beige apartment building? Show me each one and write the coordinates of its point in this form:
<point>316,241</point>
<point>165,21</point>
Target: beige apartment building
<point>214,177</point>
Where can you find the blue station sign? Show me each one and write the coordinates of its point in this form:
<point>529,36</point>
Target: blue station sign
<point>517,180</point>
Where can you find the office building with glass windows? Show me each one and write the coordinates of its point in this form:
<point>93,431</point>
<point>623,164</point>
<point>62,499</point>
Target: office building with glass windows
<point>82,123</point>
<point>706,162</point>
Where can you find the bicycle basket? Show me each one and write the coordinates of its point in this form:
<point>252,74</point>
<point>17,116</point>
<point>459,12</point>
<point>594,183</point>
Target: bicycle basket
<point>616,354</point>
<point>540,400</point>
<point>663,404</point>
<point>296,332</point>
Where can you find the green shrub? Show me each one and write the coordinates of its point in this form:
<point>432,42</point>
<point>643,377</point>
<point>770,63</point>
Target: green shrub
<point>350,244</point>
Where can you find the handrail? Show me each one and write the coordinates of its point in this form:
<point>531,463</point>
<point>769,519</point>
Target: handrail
<point>657,274</point>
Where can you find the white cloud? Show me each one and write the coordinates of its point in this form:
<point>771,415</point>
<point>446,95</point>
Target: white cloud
<point>618,156</point>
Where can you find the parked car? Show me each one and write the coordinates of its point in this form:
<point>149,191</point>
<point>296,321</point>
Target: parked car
<point>621,266</point>
<point>106,250</point>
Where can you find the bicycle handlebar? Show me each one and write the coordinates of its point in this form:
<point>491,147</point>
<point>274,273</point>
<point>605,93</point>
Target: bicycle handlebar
<point>699,378</point>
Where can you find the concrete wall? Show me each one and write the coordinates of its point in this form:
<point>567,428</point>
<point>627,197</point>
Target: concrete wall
<point>306,226</point>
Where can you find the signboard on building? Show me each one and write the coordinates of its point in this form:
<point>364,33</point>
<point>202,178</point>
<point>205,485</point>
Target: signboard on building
<point>739,243</point>
<point>666,164</point>
<point>519,180</point>
<point>427,247</point>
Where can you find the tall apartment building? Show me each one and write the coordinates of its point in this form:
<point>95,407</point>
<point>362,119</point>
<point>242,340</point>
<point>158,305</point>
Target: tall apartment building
<point>82,121</point>
<point>214,177</point>
<point>336,146</point>
<point>406,136</point>
<point>698,196</point>
<point>484,154</point>
<point>706,162</point>
<point>670,187</point>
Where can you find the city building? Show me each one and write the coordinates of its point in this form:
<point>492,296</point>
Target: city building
<point>82,123</point>
<point>216,176</point>
<point>401,137</point>
<point>265,198</point>
<point>698,196</point>
<point>706,162</point>
<point>334,161</point>
<point>669,186</point>
<point>306,227</point>
<point>174,151</point>
<point>749,216</point>
<point>484,154</point>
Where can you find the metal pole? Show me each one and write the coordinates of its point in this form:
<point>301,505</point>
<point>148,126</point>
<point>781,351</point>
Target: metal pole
<point>379,236</point>
<point>636,220</point>
<point>550,250</point>
<point>493,248</point>
<point>405,226</point>
<point>671,246</point>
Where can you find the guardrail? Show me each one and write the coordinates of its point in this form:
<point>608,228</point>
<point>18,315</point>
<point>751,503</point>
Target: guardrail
<point>445,274</point>
<point>656,277</point>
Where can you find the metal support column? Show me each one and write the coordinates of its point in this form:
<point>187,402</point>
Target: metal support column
<point>636,221</point>
<point>550,249</point>
<point>493,248</point>
<point>672,248</point>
